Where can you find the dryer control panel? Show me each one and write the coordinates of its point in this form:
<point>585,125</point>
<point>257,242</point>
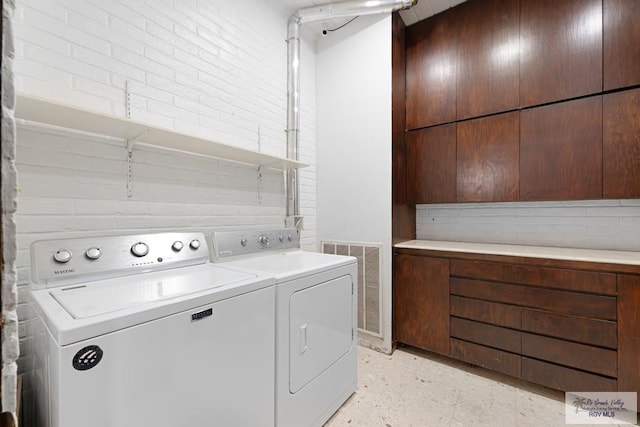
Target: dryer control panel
<point>245,242</point>
<point>68,261</point>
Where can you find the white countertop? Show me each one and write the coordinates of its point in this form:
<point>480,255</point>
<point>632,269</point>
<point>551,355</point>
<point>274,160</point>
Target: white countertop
<point>549,252</point>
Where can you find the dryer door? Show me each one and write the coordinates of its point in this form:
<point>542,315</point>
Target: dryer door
<point>321,329</point>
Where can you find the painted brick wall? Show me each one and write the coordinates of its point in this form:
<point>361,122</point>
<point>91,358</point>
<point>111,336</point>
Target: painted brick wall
<point>212,68</point>
<point>601,224</point>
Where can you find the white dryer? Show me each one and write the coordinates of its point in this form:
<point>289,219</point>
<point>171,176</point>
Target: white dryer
<point>315,340</point>
<point>144,331</point>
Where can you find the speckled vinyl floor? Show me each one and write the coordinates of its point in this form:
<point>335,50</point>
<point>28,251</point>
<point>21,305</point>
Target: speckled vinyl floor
<point>414,389</point>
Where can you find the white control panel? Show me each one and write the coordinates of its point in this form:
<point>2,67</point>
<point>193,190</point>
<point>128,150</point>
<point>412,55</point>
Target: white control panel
<point>66,261</point>
<point>244,242</point>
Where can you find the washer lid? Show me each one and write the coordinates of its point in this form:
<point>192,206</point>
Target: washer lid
<point>98,298</point>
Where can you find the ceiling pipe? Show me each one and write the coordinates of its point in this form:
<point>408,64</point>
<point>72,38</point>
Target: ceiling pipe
<point>312,14</point>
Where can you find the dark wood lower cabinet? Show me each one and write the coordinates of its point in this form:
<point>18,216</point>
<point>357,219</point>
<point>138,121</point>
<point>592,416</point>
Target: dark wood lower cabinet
<point>421,302</point>
<point>571,326</point>
<point>562,378</point>
<point>629,334</point>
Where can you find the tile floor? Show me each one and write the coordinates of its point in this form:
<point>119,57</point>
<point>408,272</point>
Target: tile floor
<point>415,389</point>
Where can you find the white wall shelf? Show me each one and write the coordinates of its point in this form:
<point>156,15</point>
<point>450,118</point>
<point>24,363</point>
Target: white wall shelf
<point>58,114</point>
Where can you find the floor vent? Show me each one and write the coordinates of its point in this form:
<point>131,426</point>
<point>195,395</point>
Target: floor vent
<point>369,281</point>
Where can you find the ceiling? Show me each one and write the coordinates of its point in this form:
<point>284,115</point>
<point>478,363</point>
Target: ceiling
<point>423,10</point>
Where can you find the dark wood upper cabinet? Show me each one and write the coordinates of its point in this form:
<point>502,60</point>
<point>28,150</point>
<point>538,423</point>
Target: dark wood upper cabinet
<point>560,50</point>
<point>431,71</point>
<point>431,164</point>
<point>488,57</point>
<point>561,151</point>
<point>621,145</point>
<point>421,302</point>
<point>488,159</point>
<point>621,41</point>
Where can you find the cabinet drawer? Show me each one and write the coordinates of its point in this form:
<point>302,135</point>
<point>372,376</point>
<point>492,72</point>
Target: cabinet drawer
<point>486,312</point>
<point>585,357</point>
<point>575,280</point>
<point>562,378</point>
<point>577,304</point>
<point>602,333</point>
<point>488,335</point>
<point>496,360</point>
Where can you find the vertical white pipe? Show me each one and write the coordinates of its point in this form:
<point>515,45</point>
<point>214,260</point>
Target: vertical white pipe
<point>323,12</point>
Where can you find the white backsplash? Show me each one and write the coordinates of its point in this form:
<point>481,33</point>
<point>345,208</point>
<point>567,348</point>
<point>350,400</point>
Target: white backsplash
<point>591,224</point>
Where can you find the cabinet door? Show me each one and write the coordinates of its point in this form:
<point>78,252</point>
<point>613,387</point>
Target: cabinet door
<point>431,71</point>
<point>431,165</point>
<point>561,151</point>
<point>621,43</point>
<point>488,57</point>
<point>629,333</point>
<point>487,163</point>
<point>621,150</point>
<point>560,49</point>
<point>421,302</point>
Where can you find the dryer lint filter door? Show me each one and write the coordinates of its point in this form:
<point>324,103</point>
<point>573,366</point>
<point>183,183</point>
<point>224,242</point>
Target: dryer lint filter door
<point>320,329</point>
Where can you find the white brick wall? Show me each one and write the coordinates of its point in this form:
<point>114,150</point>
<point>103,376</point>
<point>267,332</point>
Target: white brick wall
<point>213,68</point>
<point>599,224</point>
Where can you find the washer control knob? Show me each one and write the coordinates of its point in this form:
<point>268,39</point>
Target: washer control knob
<point>177,246</point>
<point>290,238</point>
<point>281,238</point>
<point>62,256</point>
<point>244,242</point>
<point>93,253</point>
<point>140,249</point>
<point>263,240</point>
<point>194,244</point>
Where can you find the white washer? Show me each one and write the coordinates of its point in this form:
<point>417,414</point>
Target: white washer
<point>316,342</point>
<point>144,331</point>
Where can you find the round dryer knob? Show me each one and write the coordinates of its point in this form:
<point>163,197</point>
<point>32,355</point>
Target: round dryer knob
<point>263,240</point>
<point>244,241</point>
<point>290,238</point>
<point>177,246</point>
<point>281,238</point>
<point>194,244</point>
<point>62,256</point>
<point>140,249</point>
<point>93,253</point>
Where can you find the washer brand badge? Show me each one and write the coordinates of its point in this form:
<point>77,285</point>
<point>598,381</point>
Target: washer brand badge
<point>67,271</point>
<point>202,314</point>
<point>87,357</point>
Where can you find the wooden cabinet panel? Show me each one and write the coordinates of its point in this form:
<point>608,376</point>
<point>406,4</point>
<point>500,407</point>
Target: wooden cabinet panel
<point>575,280</point>
<point>621,144</point>
<point>403,215</point>
<point>398,111</point>
<point>589,331</point>
<point>431,165</point>
<point>490,358</point>
<point>421,302</point>
<point>561,151</point>
<point>621,35</point>
<point>562,378</point>
<point>488,57</point>
<point>431,71</point>
<point>585,357</point>
<point>560,50</point>
<point>629,333</point>
<point>487,335</point>
<point>573,303</point>
<point>487,158</point>
<point>486,311</point>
